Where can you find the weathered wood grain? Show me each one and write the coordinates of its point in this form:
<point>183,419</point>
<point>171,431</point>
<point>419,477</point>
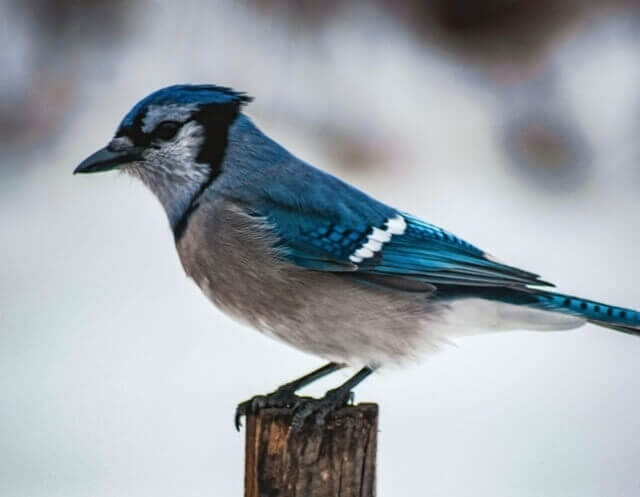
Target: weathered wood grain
<point>337,460</point>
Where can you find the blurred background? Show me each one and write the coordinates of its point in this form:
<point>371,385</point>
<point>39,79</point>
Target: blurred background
<point>512,123</point>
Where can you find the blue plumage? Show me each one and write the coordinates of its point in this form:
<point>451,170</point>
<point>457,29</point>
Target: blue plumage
<point>320,223</point>
<point>619,318</point>
<point>427,252</point>
<point>186,94</point>
<point>422,252</point>
<point>304,256</point>
<point>324,240</point>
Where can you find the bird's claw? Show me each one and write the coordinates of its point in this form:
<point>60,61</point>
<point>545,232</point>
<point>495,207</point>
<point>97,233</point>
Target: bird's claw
<point>321,408</point>
<point>282,397</point>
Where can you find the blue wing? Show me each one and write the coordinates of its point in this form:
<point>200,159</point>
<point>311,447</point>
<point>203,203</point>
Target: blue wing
<point>323,224</point>
<point>424,251</point>
<point>371,240</point>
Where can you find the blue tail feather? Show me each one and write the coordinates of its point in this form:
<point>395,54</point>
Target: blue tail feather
<point>617,318</point>
<point>614,317</point>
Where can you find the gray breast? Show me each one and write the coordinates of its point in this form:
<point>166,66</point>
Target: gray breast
<point>231,256</point>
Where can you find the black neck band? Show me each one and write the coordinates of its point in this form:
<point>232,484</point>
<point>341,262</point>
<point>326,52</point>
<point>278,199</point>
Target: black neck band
<point>216,119</point>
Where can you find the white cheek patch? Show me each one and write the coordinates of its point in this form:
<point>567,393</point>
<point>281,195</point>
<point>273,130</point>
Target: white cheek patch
<point>184,147</point>
<point>175,160</point>
<point>378,237</point>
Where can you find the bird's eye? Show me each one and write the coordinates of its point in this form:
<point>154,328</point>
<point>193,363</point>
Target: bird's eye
<point>166,130</point>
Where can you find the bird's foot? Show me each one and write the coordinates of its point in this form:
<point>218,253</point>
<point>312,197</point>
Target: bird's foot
<point>320,408</point>
<point>282,397</point>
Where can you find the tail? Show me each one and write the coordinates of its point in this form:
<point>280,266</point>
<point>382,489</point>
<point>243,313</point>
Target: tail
<point>520,308</point>
<point>616,318</point>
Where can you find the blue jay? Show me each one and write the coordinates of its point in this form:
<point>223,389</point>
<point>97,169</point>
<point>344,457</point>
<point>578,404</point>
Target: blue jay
<point>308,259</point>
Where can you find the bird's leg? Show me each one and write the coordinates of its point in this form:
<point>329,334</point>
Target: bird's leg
<point>332,400</point>
<point>285,395</point>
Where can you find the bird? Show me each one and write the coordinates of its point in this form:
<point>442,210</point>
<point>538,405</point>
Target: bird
<point>312,261</point>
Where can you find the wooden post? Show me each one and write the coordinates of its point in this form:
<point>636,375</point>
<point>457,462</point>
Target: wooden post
<point>337,460</point>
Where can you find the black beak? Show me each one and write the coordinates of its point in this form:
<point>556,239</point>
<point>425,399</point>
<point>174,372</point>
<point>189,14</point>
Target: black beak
<point>106,159</point>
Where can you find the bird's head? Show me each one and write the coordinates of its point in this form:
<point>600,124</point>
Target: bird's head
<point>173,140</point>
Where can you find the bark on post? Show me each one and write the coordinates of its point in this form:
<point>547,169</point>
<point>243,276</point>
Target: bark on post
<point>337,460</point>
